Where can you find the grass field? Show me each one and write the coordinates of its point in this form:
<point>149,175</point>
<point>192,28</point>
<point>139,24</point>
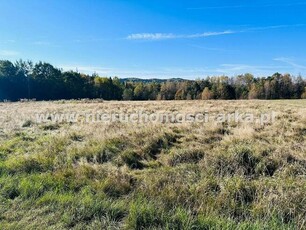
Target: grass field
<point>164,175</point>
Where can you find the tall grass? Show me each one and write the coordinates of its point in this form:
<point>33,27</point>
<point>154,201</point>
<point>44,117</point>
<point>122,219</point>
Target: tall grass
<point>154,176</point>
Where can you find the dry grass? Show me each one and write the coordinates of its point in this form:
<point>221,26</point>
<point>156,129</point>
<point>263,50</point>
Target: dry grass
<point>156,175</point>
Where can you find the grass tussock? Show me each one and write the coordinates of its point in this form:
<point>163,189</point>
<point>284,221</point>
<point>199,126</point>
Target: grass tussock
<point>157,175</point>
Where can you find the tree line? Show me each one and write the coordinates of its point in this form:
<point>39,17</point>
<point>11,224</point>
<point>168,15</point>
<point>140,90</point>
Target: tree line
<point>42,81</point>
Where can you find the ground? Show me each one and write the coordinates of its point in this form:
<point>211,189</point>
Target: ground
<point>157,175</point>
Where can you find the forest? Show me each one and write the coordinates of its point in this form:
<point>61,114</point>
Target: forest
<point>43,81</point>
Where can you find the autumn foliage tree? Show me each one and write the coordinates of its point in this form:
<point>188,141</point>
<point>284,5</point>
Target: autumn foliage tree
<point>304,94</point>
<point>43,81</point>
<point>206,94</point>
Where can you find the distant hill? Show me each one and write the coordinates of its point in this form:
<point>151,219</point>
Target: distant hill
<point>152,80</point>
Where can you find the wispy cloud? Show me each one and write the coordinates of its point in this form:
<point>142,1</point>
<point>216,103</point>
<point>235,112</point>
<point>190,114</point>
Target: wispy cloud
<point>210,48</point>
<point>247,6</point>
<point>287,65</point>
<point>240,68</point>
<point>209,34</point>
<point>9,53</point>
<point>291,62</point>
<point>90,40</point>
<point>164,36</point>
<point>42,43</point>
<point>191,72</point>
<point>161,72</point>
<point>45,43</point>
<point>88,69</point>
<point>271,27</point>
<point>150,36</point>
<point>168,36</point>
<point>10,41</point>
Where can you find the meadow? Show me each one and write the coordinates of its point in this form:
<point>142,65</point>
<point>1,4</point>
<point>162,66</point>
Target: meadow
<point>155,175</point>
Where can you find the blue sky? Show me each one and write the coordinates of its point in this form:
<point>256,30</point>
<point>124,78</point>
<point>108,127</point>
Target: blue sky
<point>157,38</point>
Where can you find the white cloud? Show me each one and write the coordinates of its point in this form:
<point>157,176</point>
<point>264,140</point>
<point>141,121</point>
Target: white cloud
<point>233,69</point>
<point>210,48</point>
<point>9,53</point>
<point>164,36</point>
<point>262,70</point>
<point>271,27</point>
<point>193,72</point>
<point>90,40</point>
<point>42,43</point>
<point>162,72</point>
<point>209,34</point>
<point>87,69</point>
<point>168,36</point>
<point>7,41</point>
<point>151,36</point>
<point>291,62</point>
<point>179,72</point>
